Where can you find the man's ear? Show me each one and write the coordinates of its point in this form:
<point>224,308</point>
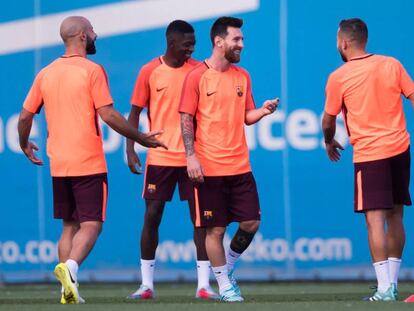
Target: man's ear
<point>345,45</point>
<point>218,41</point>
<point>83,36</point>
<point>171,43</point>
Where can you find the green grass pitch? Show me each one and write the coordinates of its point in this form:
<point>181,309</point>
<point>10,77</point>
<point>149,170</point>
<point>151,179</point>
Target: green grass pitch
<point>258,296</point>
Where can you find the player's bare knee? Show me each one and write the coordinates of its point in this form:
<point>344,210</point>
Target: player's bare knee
<point>216,232</point>
<point>98,228</point>
<point>70,228</point>
<point>395,214</point>
<point>250,226</point>
<point>199,234</point>
<point>154,211</point>
<point>372,226</point>
<point>93,227</point>
<point>153,216</point>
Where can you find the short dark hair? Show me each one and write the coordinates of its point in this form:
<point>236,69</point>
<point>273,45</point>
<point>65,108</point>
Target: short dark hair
<point>219,27</point>
<point>355,29</point>
<point>179,26</point>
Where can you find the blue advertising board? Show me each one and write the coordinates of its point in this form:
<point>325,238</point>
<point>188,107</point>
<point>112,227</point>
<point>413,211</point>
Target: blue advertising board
<point>308,229</point>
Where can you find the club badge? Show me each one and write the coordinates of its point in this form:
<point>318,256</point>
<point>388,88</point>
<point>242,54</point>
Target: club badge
<point>239,91</point>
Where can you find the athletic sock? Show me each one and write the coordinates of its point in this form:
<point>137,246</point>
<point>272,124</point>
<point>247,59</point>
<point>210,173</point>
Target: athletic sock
<point>231,258</point>
<point>394,266</point>
<point>383,275</point>
<point>73,268</point>
<point>221,274</point>
<point>147,272</point>
<point>203,274</point>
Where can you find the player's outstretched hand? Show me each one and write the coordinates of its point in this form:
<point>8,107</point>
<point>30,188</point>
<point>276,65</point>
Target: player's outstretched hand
<point>134,163</point>
<point>270,106</point>
<point>150,140</point>
<point>332,150</point>
<point>194,169</point>
<point>29,152</point>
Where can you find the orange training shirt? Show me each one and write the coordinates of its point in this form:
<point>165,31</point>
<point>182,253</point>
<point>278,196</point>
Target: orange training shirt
<point>71,89</point>
<point>158,87</point>
<point>218,101</point>
<point>368,91</point>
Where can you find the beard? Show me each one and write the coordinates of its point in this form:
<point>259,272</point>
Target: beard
<point>90,46</point>
<point>342,56</point>
<point>231,56</point>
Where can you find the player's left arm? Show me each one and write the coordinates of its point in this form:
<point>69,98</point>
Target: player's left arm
<point>119,124</point>
<point>406,84</point>
<point>24,127</point>
<point>254,115</point>
<point>329,129</point>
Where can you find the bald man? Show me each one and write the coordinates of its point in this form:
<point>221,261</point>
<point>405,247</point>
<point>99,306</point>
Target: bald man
<point>74,91</point>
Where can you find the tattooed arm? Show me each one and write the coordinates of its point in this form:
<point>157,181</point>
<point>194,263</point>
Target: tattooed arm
<point>187,131</point>
<point>194,169</point>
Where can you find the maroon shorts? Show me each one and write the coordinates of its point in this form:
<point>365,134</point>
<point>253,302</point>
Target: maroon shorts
<point>160,182</point>
<point>220,200</point>
<point>80,198</point>
<point>382,184</point>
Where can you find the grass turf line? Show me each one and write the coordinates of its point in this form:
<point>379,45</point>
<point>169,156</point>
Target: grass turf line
<point>261,296</point>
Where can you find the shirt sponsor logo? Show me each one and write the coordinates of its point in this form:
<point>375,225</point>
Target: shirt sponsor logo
<point>159,89</point>
<point>211,93</point>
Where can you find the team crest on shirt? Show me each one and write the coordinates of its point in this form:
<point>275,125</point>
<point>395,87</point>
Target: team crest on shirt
<point>208,214</point>
<point>151,188</point>
<point>239,91</point>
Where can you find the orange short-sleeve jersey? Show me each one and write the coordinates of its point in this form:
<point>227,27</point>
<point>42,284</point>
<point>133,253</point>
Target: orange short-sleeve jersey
<point>368,90</point>
<point>71,89</point>
<point>218,101</point>
<point>158,88</point>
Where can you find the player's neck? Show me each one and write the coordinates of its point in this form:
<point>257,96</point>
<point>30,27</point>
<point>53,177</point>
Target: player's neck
<point>172,61</point>
<point>75,50</point>
<point>356,54</point>
<point>218,62</point>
